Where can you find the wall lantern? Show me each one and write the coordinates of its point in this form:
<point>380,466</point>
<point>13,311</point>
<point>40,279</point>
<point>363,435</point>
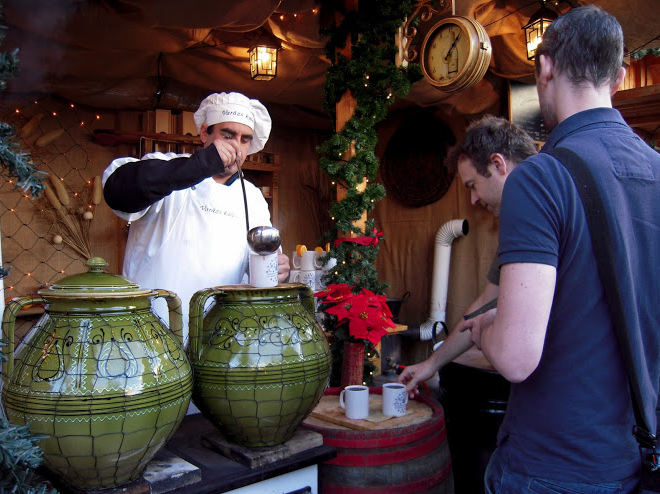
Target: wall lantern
<point>535,28</point>
<point>263,59</point>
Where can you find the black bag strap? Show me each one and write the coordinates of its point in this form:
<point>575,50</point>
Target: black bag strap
<point>601,239</point>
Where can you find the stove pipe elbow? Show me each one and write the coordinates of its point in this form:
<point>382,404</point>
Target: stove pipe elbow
<point>440,280</point>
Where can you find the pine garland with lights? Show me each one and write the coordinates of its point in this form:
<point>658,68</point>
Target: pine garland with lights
<point>372,77</point>
<point>14,164</point>
<point>19,453</point>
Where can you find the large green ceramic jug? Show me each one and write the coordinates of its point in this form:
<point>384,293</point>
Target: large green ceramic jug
<point>261,362</point>
<point>99,376</point>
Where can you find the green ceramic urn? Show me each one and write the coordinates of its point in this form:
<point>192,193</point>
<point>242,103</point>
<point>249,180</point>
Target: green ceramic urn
<point>100,377</point>
<point>261,362</point>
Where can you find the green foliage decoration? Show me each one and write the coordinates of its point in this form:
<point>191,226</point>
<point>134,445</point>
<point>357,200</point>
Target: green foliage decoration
<point>372,77</point>
<point>19,453</point>
<point>15,164</point>
<point>641,53</point>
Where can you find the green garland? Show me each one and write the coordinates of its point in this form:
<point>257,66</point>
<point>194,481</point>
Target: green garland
<point>15,164</point>
<point>641,53</point>
<point>20,454</point>
<point>373,78</point>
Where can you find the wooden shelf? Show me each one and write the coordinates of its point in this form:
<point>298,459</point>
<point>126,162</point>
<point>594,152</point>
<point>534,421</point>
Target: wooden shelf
<point>640,107</point>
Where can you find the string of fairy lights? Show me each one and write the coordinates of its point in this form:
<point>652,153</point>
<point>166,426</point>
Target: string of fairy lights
<point>56,135</point>
<point>299,16</point>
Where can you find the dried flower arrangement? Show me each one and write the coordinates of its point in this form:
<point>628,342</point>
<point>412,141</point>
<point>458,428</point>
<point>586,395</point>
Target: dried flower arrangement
<point>73,217</point>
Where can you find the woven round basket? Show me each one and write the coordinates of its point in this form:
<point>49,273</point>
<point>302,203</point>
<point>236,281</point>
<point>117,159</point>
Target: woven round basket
<point>412,168</point>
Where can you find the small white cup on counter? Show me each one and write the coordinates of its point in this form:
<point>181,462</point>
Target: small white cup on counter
<point>355,401</point>
<point>395,399</point>
<point>308,277</point>
<point>309,261</point>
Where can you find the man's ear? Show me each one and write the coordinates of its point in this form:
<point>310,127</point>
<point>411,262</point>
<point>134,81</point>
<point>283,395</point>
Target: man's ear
<point>619,79</point>
<point>544,75</point>
<point>202,133</point>
<point>500,163</point>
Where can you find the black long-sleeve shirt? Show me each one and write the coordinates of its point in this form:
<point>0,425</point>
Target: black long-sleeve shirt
<point>139,184</point>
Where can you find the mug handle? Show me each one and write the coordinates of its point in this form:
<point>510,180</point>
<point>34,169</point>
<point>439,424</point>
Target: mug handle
<point>317,261</point>
<point>341,399</point>
<point>295,258</point>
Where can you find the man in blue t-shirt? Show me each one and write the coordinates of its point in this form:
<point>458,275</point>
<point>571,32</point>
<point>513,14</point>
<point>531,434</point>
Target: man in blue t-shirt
<point>569,419</point>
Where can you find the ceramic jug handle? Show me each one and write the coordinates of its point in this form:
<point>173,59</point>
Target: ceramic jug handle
<point>174,308</point>
<point>8,322</point>
<point>306,295</point>
<point>196,317</point>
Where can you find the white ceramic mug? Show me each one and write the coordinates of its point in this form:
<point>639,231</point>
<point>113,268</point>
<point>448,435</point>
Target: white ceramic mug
<point>306,277</point>
<point>307,262</point>
<point>355,401</point>
<point>263,270</point>
<point>395,399</point>
<point>318,281</point>
<point>293,273</point>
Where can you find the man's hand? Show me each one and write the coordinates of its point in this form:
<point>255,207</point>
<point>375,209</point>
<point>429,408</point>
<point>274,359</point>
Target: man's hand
<point>478,324</point>
<point>283,267</point>
<point>415,374</point>
<point>229,152</point>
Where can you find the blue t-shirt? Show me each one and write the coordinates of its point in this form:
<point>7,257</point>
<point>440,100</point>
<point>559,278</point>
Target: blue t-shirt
<point>571,419</point>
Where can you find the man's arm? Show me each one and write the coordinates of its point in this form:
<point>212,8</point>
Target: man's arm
<point>457,343</point>
<point>512,337</point>
<point>137,185</point>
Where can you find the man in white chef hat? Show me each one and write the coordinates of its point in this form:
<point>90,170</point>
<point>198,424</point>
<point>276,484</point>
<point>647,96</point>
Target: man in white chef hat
<point>186,212</point>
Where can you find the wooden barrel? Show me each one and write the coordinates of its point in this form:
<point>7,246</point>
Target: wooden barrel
<point>398,455</point>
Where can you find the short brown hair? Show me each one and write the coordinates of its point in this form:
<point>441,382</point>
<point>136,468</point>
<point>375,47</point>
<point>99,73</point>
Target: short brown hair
<point>586,45</point>
<point>487,136</point>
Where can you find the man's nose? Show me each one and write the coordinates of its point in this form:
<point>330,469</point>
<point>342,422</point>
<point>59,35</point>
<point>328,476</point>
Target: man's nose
<point>474,198</point>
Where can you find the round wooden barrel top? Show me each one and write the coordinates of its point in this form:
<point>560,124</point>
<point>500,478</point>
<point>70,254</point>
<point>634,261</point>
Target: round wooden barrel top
<point>329,414</point>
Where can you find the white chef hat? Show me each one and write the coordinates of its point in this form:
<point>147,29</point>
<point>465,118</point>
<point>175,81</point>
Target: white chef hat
<point>235,107</point>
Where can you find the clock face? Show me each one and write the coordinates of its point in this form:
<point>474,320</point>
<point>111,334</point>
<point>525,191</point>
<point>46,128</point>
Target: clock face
<point>455,54</point>
<point>447,51</point>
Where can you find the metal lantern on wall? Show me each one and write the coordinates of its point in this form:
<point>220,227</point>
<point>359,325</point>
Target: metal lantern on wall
<point>263,60</point>
<point>535,28</point>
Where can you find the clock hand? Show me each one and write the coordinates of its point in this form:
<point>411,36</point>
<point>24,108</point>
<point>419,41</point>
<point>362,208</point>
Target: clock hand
<point>453,45</point>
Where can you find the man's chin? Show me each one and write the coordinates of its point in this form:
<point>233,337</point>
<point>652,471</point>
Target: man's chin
<point>229,171</point>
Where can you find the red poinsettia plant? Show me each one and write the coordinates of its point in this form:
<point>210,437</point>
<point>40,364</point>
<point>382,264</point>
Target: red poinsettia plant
<point>366,314</point>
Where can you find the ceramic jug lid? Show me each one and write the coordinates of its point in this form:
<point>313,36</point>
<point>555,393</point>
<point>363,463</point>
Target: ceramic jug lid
<point>95,281</point>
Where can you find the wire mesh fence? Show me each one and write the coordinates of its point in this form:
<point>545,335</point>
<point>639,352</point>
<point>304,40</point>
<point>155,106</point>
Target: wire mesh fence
<point>43,238</point>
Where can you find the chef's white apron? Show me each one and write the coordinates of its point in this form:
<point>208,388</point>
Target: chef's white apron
<point>192,239</point>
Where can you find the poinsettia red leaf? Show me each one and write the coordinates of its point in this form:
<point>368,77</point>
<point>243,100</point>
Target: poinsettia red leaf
<point>375,335</point>
<point>358,328</point>
<point>386,310</point>
<point>339,310</point>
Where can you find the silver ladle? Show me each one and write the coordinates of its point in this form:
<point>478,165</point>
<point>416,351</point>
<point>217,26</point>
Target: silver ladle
<point>264,239</point>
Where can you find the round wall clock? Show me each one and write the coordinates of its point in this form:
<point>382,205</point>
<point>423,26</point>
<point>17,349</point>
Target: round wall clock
<point>455,54</point>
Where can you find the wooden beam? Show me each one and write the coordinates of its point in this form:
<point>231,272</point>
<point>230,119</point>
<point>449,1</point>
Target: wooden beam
<point>344,110</point>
